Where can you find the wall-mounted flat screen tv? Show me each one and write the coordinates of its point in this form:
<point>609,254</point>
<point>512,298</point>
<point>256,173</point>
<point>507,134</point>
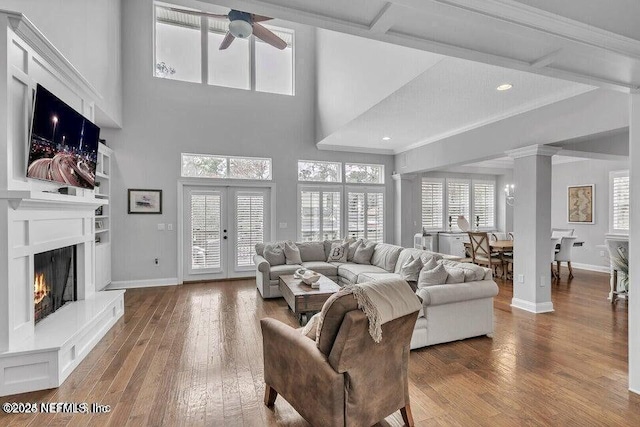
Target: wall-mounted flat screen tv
<point>64,144</point>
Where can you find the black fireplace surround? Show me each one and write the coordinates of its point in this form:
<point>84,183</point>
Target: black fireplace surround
<point>54,282</point>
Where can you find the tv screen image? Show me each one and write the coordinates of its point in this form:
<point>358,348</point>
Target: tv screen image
<point>64,144</point>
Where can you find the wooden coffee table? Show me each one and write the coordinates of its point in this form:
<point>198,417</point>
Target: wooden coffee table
<point>303,300</point>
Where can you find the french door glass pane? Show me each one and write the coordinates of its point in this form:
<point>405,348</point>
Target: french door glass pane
<point>249,226</point>
<point>205,231</point>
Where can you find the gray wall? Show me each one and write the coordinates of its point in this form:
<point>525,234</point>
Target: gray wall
<point>584,172</point>
<point>163,118</point>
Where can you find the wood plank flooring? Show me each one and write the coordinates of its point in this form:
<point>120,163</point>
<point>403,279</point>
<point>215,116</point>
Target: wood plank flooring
<point>192,355</point>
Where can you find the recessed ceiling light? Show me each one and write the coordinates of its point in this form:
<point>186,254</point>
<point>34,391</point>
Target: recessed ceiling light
<point>505,86</point>
<point>386,138</point>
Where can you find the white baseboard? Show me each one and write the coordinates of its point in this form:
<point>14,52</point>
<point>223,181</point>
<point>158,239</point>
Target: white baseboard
<point>532,307</point>
<point>633,390</point>
<point>591,267</point>
<point>147,283</point>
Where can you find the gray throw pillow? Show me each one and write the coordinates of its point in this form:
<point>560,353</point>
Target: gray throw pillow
<point>435,276</point>
<point>292,253</point>
<point>411,269</point>
<point>338,252</point>
<point>274,254</point>
<point>364,252</point>
<point>353,245</point>
<point>455,275</point>
<point>430,264</point>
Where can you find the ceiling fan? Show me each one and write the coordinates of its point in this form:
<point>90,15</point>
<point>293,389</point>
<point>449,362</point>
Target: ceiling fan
<point>242,25</point>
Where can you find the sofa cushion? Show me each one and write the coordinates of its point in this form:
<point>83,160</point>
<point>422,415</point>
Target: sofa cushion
<point>364,252</point>
<point>455,275</point>
<point>327,247</point>
<point>374,277</point>
<point>424,256</point>
<point>446,294</point>
<point>274,254</point>
<point>322,267</point>
<point>386,256</point>
<point>311,251</point>
<point>472,272</point>
<point>351,271</point>
<point>338,252</point>
<point>434,276</point>
<point>353,245</point>
<point>292,254</point>
<point>411,269</point>
<point>282,270</point>
<point>260,249</point>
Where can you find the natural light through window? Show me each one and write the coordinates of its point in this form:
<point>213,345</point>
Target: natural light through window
<point>363,173</point>
<point>225,167</point>
<point>619,214</point>
<point>187,49</point>
<point>318,171</point>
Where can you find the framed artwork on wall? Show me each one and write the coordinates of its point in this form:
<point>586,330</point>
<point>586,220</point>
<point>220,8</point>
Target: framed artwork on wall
<point>581,204</point>
<point>145,201</point>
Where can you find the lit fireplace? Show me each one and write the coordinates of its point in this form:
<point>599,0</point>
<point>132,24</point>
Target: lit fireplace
<point>54,282</point>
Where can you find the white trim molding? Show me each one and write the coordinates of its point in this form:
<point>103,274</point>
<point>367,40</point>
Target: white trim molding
<point>537,308</point>
<point>147,283</point>
<point>591,267</point>
<point>533,150</point>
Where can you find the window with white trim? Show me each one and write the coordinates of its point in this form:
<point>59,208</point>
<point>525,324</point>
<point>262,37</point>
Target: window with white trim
<point>320,213</point>
<point>249,225</point>
<point>619,206</point>
<point>225,167</point>
<point>458,200</point>
<point>319,171</point>
<point>365,214</point>
<point>187,49</point>
<point>484,202</point>
<point>205,230</point>
<point>432,203</point>
<point>361,173</point>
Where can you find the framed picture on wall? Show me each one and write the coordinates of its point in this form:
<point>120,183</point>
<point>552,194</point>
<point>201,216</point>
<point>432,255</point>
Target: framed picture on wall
<point>145,201</point>
<point>581,204</point>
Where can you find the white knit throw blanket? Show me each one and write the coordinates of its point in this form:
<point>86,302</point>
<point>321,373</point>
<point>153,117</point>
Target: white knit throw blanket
<point>383,301</point>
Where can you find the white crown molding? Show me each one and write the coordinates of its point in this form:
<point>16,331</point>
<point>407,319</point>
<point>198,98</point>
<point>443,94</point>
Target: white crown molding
<point>533,150</point>
<point>517,13</point>
<point>537,308</point>
<point>24,28</point>
<point>346,148</point>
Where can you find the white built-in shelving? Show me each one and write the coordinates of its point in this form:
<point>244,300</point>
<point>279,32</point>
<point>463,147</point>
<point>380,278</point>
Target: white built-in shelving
<point>103,218</point>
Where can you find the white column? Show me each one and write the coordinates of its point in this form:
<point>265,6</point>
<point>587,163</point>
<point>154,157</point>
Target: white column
<point>405,207</point>
<point>532,228</point>
<point>634,242</point>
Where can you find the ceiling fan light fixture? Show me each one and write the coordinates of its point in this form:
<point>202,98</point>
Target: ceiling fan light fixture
<point>240,28</point>
<point>386,138</point>
<point>504,86</point>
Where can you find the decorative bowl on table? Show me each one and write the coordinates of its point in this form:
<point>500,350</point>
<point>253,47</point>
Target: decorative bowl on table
<point>311,278</point>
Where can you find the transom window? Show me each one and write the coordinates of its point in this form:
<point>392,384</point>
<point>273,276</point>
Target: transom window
<point>225,167</point>
<point>363,173</point>
<point>187,49</point>
<point>319,171</point>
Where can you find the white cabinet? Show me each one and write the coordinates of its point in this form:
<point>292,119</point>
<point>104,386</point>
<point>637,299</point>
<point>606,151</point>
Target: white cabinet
<point>452,243</point>
<point>103,218</point>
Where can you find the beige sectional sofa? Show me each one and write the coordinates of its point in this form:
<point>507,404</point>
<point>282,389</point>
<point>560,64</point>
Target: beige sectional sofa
<point>451,311</point>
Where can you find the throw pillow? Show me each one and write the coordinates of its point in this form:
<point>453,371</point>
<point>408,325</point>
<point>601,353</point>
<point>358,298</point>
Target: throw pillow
<point>338,252</point>
<point>430,263</point>
<point>274,254</point>
<point>435,276</point>
<point>353,245</point>
<point>310,330</point>
<point>364,252</point>
<point>292,253</point>
<point>411,269</point>
<point>455,275</point>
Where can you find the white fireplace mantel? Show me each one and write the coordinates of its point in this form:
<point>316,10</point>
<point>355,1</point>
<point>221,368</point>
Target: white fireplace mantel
<point>18,198</point>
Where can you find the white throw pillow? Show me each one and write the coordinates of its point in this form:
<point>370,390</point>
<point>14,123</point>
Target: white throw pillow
<point>430,264</point>
<point>273,254</point>
<point>455,275</point>
<point>310,330</point>
<point>338,252</point>
<point>353,245</point>
<point>411,269</point>
<point>435,276</point>
<point>292,253</point>
<point>364,252</point>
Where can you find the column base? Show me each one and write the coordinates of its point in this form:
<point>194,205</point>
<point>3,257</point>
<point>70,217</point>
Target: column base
<point>540,307</point>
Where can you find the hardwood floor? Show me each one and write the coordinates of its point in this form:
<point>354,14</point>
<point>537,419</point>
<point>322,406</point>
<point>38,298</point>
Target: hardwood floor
<point>192,355</point>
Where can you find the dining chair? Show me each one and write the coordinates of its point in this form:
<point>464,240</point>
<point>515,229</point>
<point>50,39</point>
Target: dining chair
<point>554,251</point>
<point>562,232</point>
<point>481,251</point>
<point>564,254</point>
<point>619,260</point>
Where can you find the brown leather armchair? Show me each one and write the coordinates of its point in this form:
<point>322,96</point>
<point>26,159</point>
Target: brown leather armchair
<point>345,380</point>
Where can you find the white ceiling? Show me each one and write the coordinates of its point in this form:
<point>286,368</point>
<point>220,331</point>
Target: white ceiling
<point>450,97</point>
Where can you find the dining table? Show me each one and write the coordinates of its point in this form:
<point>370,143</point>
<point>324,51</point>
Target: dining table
<point>502,247</point>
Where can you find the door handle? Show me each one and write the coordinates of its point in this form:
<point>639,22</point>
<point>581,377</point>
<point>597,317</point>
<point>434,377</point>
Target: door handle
<point>225,237</point>
<point>224,231</point>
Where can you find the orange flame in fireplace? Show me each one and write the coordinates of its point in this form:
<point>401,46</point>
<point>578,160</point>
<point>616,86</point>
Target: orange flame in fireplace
<point>39,288</point>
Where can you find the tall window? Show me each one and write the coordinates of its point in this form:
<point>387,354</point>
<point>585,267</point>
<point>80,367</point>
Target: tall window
<point>365,214</point>
<point>249,225</point>
<point>205,230</point>
<point>212,166</point>
<point>187,49</point>
<point>619,215</point>
<point>484,201</point>
<point>320,213</point>
<point>458,199</point>
<point>432,203</point>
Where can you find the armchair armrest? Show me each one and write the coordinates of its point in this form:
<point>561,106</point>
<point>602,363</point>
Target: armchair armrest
<point>293,365</point>
<point>262,265</point>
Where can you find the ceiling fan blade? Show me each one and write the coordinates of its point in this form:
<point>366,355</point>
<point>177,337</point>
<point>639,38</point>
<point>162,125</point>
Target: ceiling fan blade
<point>198,13</point>
<point>268,37</point>
<point>259,18</point>
<point>228,38</point>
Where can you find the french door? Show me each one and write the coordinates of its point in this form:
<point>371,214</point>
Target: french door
<point>221,227</point>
